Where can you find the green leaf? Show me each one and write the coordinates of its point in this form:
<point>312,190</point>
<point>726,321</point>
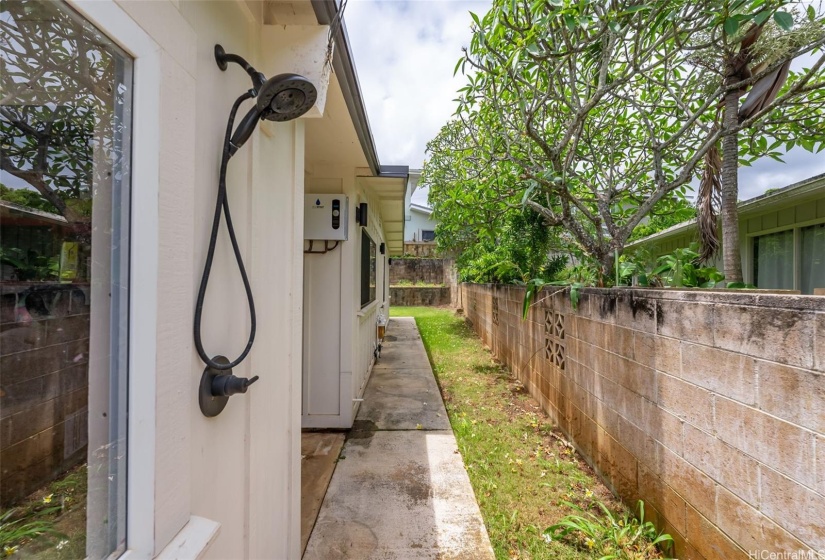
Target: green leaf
<point>731,26</point>
<point>783,20</point>
<point>761,17</point>
<point>634,9</point>
<point>811,13</point>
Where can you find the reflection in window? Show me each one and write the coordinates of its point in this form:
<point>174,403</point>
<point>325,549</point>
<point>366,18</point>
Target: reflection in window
<point>813,258</point>
<point>367,269</point>
<point>65,116</point>
<point>773,260</point>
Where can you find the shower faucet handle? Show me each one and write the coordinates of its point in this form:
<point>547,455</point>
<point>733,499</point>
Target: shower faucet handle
<point>228,385</point>
<point>217,385</point>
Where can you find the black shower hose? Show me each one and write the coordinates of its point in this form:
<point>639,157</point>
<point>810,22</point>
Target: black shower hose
<point>222,205</point>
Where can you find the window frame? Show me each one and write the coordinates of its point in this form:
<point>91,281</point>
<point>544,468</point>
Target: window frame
<point>112,21</point>
<point>750,240</point>
<point>372,264</point>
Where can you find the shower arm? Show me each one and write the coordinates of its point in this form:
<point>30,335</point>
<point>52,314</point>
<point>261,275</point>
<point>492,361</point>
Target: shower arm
<point>223,58</point>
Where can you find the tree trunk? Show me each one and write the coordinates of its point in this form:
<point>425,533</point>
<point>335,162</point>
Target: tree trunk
<point>730,192</point>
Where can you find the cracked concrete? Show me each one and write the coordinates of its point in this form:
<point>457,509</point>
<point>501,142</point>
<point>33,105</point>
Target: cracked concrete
<point>400,490</point>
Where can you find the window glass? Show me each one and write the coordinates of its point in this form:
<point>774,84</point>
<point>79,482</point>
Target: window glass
<point>65,118</point>
<point>367,269</point>
<point>773,260</point>
<point>427,235</point>
<point>813,258</point>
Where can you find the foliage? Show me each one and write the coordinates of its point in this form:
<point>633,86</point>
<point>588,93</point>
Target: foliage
<point>523,472</point>
<point>15,530</point>
<point>27,198</point>
<point>30,266</point>
<point>680,269</point>
<point>667,213</point>
<point>592,114</point>
<point>517,253</point>
<point>55,520</point>
<point>61,121</point>
<point>612,537</point>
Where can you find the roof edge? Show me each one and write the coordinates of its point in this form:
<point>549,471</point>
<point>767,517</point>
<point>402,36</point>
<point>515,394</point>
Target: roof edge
<point>344,66</point>
<point>800,188</point>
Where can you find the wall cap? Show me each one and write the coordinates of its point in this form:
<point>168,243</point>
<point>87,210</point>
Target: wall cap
<point>755,298</point>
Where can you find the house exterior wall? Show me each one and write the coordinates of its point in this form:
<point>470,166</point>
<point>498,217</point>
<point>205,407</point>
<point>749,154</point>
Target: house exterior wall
<point>241,469</point>
<point>706,405</point>
<point>340,336</point>
<point>776,215</point>
<point>416,223</point>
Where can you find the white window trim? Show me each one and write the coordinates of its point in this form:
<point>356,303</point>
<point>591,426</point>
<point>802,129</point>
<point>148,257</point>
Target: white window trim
<point>748,264</point>
<point>116,24</point>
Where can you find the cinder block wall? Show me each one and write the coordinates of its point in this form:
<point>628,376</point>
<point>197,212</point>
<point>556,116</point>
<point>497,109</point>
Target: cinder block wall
<point>410,295</point>
<point>430,271</point>
<point>709,406</point>
<point>43,400</point>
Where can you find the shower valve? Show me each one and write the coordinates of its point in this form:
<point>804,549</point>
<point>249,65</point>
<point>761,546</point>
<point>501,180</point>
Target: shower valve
<point>217,385</point>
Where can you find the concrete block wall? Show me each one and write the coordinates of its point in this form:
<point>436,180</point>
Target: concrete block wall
<point>411,295</point>
<point>709,406</point>
<point>43,400</point>
<point>429,271</point>
<point>425,249</point>
<point>423,270</point>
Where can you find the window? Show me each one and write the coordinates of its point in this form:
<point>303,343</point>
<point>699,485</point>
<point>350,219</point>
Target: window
<point>813,258</point>
<point>65,125</point>
<point>367,269</point>
<point>773,261</point>
<point>427,235</point>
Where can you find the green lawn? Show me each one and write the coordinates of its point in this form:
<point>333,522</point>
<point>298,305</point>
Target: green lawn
<point>521,468</point>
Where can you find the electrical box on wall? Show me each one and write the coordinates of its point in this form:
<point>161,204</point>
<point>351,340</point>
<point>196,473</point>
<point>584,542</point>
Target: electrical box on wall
<point>325,217</point>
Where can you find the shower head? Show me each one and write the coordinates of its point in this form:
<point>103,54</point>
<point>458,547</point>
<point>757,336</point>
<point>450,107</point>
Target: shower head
<point>285,97</point>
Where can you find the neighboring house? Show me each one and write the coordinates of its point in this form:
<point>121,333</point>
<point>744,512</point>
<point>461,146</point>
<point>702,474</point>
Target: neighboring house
<point>781,236</point>
<point>111,341</point>
<point>419,227</point>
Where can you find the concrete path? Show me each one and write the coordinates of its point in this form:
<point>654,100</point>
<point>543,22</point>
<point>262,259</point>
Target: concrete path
<point>319,452</point>
<point>401,491</point>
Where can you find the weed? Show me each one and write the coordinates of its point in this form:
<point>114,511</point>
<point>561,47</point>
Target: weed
<point>611,536</point>
<point>15,530</point>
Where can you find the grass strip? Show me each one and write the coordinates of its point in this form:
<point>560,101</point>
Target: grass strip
<point>521,468</point>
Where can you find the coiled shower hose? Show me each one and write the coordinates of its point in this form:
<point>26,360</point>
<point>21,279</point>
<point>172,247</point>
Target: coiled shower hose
<point>222,206</point>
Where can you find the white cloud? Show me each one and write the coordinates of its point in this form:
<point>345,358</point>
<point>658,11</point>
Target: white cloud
<point>405,53</point>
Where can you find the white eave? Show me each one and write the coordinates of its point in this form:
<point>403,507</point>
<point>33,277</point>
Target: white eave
<point>419,208</point>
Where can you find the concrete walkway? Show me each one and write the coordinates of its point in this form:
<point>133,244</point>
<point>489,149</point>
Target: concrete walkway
<point>401,490</point>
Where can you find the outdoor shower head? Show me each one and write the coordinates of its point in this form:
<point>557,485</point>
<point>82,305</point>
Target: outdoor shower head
<point>281,98</point>
<point>286,97</point>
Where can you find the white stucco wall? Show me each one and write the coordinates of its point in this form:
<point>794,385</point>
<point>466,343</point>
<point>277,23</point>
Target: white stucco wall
<point>242,468</point>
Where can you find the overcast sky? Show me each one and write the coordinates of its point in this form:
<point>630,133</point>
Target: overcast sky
<point>405,53</point>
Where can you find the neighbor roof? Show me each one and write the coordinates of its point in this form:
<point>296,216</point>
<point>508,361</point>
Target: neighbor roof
<point>771,197</point>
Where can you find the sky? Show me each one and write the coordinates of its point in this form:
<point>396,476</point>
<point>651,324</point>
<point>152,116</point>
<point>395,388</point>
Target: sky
<point>405,53</point>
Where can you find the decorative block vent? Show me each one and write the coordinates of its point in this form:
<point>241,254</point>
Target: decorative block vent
<point>495,310</point>
<point>554,338</point>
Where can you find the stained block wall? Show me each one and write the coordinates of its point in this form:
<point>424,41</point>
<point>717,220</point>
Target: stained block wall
<point>43,398</point>
<point>709,406</point>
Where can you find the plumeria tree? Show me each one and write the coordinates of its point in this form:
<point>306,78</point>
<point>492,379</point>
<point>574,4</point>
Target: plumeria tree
<point>593,114</point>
